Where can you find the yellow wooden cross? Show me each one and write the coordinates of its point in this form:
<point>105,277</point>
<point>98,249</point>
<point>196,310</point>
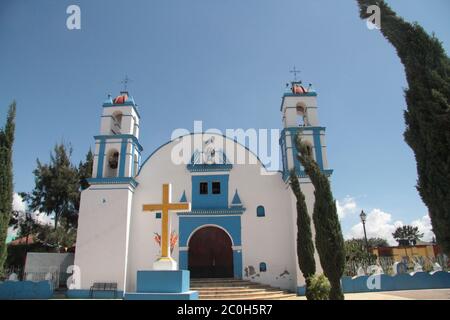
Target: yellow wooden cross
<point>165,207</point>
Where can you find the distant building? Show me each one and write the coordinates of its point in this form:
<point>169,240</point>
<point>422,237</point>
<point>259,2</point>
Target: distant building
<point>422,249</point>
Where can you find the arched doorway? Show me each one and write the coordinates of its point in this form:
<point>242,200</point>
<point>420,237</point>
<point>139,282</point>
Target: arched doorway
<point>210,254</point>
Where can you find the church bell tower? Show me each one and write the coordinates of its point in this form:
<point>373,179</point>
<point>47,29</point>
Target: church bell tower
<point>105,209</point>
<point>299,110</point>
<point>118,151</point>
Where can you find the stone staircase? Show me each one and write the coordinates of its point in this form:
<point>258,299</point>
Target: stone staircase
<point>234,289</point>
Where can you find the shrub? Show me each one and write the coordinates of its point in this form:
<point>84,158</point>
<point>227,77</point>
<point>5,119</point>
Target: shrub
<point>320,287</point>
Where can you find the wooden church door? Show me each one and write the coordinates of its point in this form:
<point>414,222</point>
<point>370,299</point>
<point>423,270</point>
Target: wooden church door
<point>210,254</point>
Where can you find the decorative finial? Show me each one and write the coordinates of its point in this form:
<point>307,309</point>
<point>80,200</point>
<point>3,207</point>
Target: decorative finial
<point>125,82</point>
<point>295,71</point>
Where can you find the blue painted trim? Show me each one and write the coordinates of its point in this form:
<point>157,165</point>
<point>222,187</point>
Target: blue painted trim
<point>120,136</point>
<point>316,133</point>
<point>302,174</point>
<point>211,212</point>
<point>127,103</point>
<point>237,264</point>
<point>236,199</point>
<point>123,153</point>
<point>232,224</point>
<point>413,281</point>
<point>406,281</point>
<point>127,188</point>
<point>183,197</point>
<point>210,200</point>
<point>290,94</point>
<point>176,281</point>
<point>318,149</point>
<point>117,180</point>
<point>133,164</point>
<point>188,295</point>
<point>14,290</point>
<point>85,294</point>
<point>101,158</point>
<point>209,167</point>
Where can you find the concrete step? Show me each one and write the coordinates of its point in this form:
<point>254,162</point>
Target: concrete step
<point>230,290</point>
<point>240,294</point>
<point>236,289</point>
<point>232,287</point>
<point>267,297</point>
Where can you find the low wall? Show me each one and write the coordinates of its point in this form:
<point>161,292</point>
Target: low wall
<point>382,282</point>
<point>12,290</point>
<point>406,281</point>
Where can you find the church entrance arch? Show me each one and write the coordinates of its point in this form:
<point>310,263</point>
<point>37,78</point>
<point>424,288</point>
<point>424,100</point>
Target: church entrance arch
<point>210,253</point>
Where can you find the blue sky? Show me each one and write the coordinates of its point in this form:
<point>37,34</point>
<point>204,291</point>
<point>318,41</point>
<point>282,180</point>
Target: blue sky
<point>226,63</point>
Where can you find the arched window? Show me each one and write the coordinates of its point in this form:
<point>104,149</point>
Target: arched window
<point>262,267</point>
<point>112,163</point>
<point>309,148</point>
<point>301,115</point>
<point>116,124</point>
<point>260,211</point>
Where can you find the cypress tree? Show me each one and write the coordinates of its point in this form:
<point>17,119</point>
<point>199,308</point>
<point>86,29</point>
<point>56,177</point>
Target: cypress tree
<point>427,117</point>
<point>329,239</point>
<point>6,180</point>
<point>305,245</point>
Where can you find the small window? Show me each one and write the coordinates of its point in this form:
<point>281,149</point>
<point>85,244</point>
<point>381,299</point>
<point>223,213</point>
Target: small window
<point>216,187</point>
<point>260,211</point>
<point>158,215</point>
<point>262,267</point>
<point>203,187</point>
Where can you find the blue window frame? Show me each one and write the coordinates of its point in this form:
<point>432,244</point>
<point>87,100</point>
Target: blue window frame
<point>260,211</point>
<point>262,267</point>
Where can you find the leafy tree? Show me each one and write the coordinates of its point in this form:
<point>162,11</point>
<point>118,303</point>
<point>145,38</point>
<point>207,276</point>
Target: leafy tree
<point>305,245</point>
<point>57,187</point>
<point>85,170</point>
<point>64,236</point>
<point>84,173</point>
<point>407,235</point>
<point>329,239</point>
<point>377,242</point>
<point>427,117</point>
<point>6,180</point>
<point>356,255</point>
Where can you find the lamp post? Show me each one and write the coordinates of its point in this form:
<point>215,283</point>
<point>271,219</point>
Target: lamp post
<point>363,217</point>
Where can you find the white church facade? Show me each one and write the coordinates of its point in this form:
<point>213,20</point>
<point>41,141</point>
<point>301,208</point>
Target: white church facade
<point>242,221</point>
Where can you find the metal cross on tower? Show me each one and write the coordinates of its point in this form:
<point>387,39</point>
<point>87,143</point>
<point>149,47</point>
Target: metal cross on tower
<point>125,82</point>
<point>295,71</point>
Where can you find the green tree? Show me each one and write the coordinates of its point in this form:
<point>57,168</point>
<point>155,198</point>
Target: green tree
<point>356,254</point>
<point>377,242</point>
<point>329,239</point>
<point>6,180</point>
<point>85,170</point>
<point>305,245</point>
<point>62,237</point>
<point>57,187</point>
<point>407,235</point>
<point>427,117</point>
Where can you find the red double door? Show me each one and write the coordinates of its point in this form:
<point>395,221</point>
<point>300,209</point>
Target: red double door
<point>210,254</point>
